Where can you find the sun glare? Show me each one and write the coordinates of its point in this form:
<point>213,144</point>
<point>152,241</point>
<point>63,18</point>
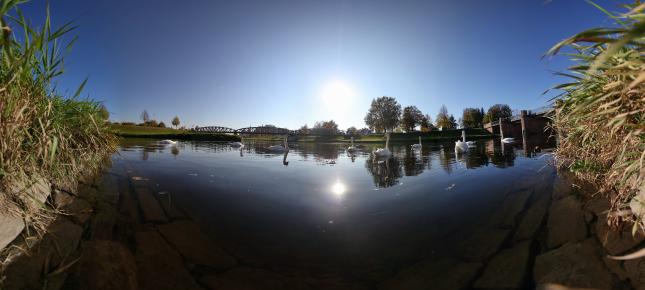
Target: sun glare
<point>336,93</point>
<point>338,188</point>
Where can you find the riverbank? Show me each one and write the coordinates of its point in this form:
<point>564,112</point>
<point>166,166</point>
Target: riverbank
<point>133,131</point>
<point>471,134</point>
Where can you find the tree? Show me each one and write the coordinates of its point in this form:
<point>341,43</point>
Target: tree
<point>175,121</point>
<point>145,117</point>
<point>162,125</point>
<point>471,118</point>
<point>426,123</point>
<point>352,131</point>
<point>443,119</point>
<point>411,118</point>
<point>453,122</point>
<point>384,114</point>
<point>498,111</point>
<point>325,128</point>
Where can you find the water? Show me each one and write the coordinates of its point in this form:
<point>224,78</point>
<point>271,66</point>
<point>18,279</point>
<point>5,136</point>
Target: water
<point>321,210</point>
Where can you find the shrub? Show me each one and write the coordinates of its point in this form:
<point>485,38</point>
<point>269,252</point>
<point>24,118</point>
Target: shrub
<point>600,115</point>
<point>42,134</point>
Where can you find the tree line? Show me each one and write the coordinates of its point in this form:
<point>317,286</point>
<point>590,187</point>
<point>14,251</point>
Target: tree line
<point>385,115</point>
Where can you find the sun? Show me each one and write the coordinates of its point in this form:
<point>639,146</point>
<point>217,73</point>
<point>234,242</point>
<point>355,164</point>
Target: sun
<point>337,93</point>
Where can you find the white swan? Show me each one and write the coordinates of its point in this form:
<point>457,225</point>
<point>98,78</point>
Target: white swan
<point>384,152</point>
<point>167,141</point>
<point>470,143</point>
<point>508,140</point>
<point>461,146</point>
<point>351,148</point>
<point>237,144</point>
<point>280,148</point>
<point>417,146</point>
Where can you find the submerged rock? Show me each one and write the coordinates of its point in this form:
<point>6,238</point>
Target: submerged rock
<point>105,265</point>
<point>195,246</point>
<point>245,278</point>
<point>160,266</point>
<point>512,206</point>
<point>573,265</point>
<point>434,274</point>
<point>507,270</point>
<point>482,245</point>
<point>532,219</point>
<point>566,222</point>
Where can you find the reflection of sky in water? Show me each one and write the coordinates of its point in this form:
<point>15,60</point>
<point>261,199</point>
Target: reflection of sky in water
<point>320,192</point>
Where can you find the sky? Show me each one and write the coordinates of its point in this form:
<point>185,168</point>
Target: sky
<point>289,63</point>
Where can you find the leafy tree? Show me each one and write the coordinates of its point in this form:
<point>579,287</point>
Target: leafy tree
<point>145,117</point>
<point>426,123</point>
<point>412,117</point>
<point>498,111</point>
<point>443,119</point>
<point>352,131</point>
<point>175,121</point>
<point>472,118</point>
<point>325,128</point>
<point>384,114</point>
<point>162,125</point>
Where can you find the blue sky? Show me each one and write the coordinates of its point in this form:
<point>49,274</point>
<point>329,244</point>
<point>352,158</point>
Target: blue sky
<point>240,63</point>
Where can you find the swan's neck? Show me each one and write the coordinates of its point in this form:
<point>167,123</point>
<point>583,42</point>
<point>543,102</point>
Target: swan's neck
<point>419,140</point>
<point>352,141</point>
<point>387,140</point>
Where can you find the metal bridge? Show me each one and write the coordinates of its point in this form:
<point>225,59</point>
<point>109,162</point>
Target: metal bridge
<point>247,131</point>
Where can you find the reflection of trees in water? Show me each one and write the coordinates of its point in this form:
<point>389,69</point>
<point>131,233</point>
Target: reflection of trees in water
<point>413,163</point>
<point>385,172</point>
<point>446,158</point>
<point>501,155</point>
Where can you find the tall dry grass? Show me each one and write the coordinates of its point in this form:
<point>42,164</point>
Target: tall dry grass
<point>42,135</point>
<point>600,115</point>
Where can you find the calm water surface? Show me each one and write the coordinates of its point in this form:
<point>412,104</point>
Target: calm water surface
<point>321,209</point>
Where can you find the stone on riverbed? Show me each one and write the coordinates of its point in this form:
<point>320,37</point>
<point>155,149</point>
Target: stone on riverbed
<point>533,218</point>
<point>513,204</point>
<point>566,222</point>
<point>195,246</point>
<point>245,278</point>
<point>482,245</point>
<point>507,270</point>
<point>574,265</point>
<point>152,211</point>
<point>159,266</point>
<point>434,274</point>
<point>106,265</point>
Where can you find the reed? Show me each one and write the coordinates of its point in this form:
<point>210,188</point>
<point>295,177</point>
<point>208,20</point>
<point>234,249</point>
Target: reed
<point>600,114</point>
<point>42,134</point>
